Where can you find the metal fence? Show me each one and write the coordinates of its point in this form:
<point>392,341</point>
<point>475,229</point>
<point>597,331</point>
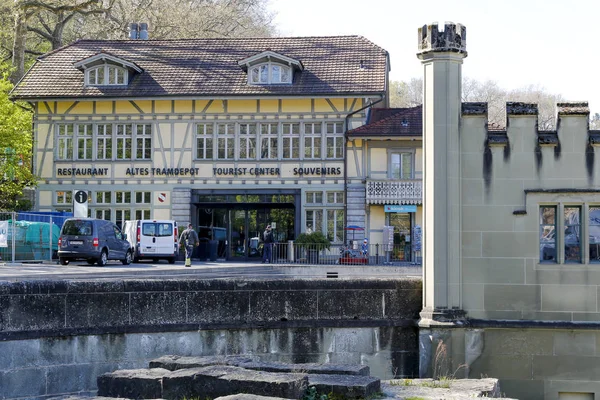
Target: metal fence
<point>30,236</point>
<point>373,254</point>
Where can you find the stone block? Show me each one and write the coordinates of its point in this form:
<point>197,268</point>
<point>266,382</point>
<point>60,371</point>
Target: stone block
<point>350,304</point>
<point>568,367</point>
<point>158,308</point>
<point>518,342</point>
<point>569,298</point>
<point>512,297</point>
<point>307,368</point>
<point>89,309</point>
<point>32,312</point>
<point>523,389</point>
<point>245,396</point>
<point>134,384</point>
<point>218,306</point>
<point>22,383</point>
<point>174,363</point>
<point>575,343</point>
<point>215,381</point>
<point>283,305</point>
<point>345,386</point>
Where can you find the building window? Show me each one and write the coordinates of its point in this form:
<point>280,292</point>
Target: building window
<point>124,141</point>
<point>104,142</point>
<point>291,140</point>
<point>123,197</point>
<point>268,133</point>
<point>572,227</point>
<point>401,165</point>
<point>225,141</point>
<point>204,141</point>
<point>143,197</point>
<point>64,197</point>
<point>106,75</point>
<point>143,141</point>
<point>594,233</point>
<point>335,197</point>
<point>102,213</point>
<point>335,140</point>
<point>335,225</point>
<point>84,141</point>
<point>103,197</point>
<point>65,142</point>
<point>248,141</point>
<point>312,140</point>
<point>314,221</point>
<point>548,233</point>
<point>142,214</point>
<point>314,197</point>
<point>270,73</point>
<point>122,215</point>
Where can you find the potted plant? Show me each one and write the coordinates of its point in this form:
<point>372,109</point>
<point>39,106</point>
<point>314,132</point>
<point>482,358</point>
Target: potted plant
<point>311,244</point>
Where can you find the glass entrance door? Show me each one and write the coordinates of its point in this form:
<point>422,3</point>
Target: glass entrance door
<point>402,240</point>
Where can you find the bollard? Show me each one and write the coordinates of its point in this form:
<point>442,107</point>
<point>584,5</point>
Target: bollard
<point>377,253</point>
<point>290,250</point>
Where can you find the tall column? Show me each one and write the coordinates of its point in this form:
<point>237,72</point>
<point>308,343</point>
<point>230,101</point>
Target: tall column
<point>441,54</point>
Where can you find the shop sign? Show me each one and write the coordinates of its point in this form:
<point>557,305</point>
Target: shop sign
<point>400,208</point>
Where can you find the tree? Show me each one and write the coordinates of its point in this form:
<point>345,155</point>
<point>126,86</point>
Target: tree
<point>15,148</point>
<point>408,94</point>
<point>177,19</point>
<point>38,26</point>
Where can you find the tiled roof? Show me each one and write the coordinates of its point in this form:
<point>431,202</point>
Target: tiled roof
<point>392,122</point>
<point>209,67</point>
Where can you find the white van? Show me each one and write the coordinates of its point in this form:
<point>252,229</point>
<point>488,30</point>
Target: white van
<point>153,239</point>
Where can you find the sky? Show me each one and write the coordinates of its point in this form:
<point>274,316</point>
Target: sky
<point>549,43</point>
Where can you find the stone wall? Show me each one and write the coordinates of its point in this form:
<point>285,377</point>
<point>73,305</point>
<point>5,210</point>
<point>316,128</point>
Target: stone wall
<point>57,336</point>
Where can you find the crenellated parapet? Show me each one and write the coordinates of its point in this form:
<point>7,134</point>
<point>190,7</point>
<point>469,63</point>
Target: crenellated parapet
<point>579,108</point>
<point>520,108</point>
<point>452,39</point>
<point>474,108</point>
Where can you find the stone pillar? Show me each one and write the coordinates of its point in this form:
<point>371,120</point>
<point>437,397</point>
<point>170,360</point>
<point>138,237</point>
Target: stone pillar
<point>441,54</point>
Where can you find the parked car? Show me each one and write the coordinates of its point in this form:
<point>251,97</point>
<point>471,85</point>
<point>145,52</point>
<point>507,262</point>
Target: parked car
<point>153,239</point>
<point>93,240</point>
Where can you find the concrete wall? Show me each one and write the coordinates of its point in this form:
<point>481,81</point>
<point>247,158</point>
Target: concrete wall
<point>56,337</point>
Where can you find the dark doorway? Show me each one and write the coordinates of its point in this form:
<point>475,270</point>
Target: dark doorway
<point>237,222</point>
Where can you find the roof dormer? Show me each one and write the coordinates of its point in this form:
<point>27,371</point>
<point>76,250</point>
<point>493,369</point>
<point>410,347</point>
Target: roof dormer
<point>270,68</point>
<point>104,69</point>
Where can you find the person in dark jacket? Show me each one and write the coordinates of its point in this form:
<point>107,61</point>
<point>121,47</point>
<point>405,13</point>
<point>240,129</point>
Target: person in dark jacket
<point>268,241</point>
<point>189,239</point>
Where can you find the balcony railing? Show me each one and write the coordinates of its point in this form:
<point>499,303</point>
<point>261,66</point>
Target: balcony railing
<point>409,191</point>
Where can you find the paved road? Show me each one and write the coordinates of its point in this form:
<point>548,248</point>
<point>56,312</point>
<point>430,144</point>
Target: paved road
<point>202,270</point>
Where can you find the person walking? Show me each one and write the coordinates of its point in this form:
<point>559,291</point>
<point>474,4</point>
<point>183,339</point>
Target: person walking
<point>189,239</point>
<point>268,240</point>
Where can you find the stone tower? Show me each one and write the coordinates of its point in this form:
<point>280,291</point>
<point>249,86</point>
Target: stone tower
<point>441,54</point>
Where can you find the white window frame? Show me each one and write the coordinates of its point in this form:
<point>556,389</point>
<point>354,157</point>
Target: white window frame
<point>143,197</point>
<point>269,141</point>
<point>92,76</point>
<point>248,140</point>
<point>401,153</point>
<point>256,77</point>
<point>122,197</point>
<point>84,139</point>
<point>225,141</point>
<point>335,140</point>
<point>143,141</point>
<point>313,139</point>
<point>205,135</point>
<point>65,141</point>
<point>104,135</point>
<point>290,139</point>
